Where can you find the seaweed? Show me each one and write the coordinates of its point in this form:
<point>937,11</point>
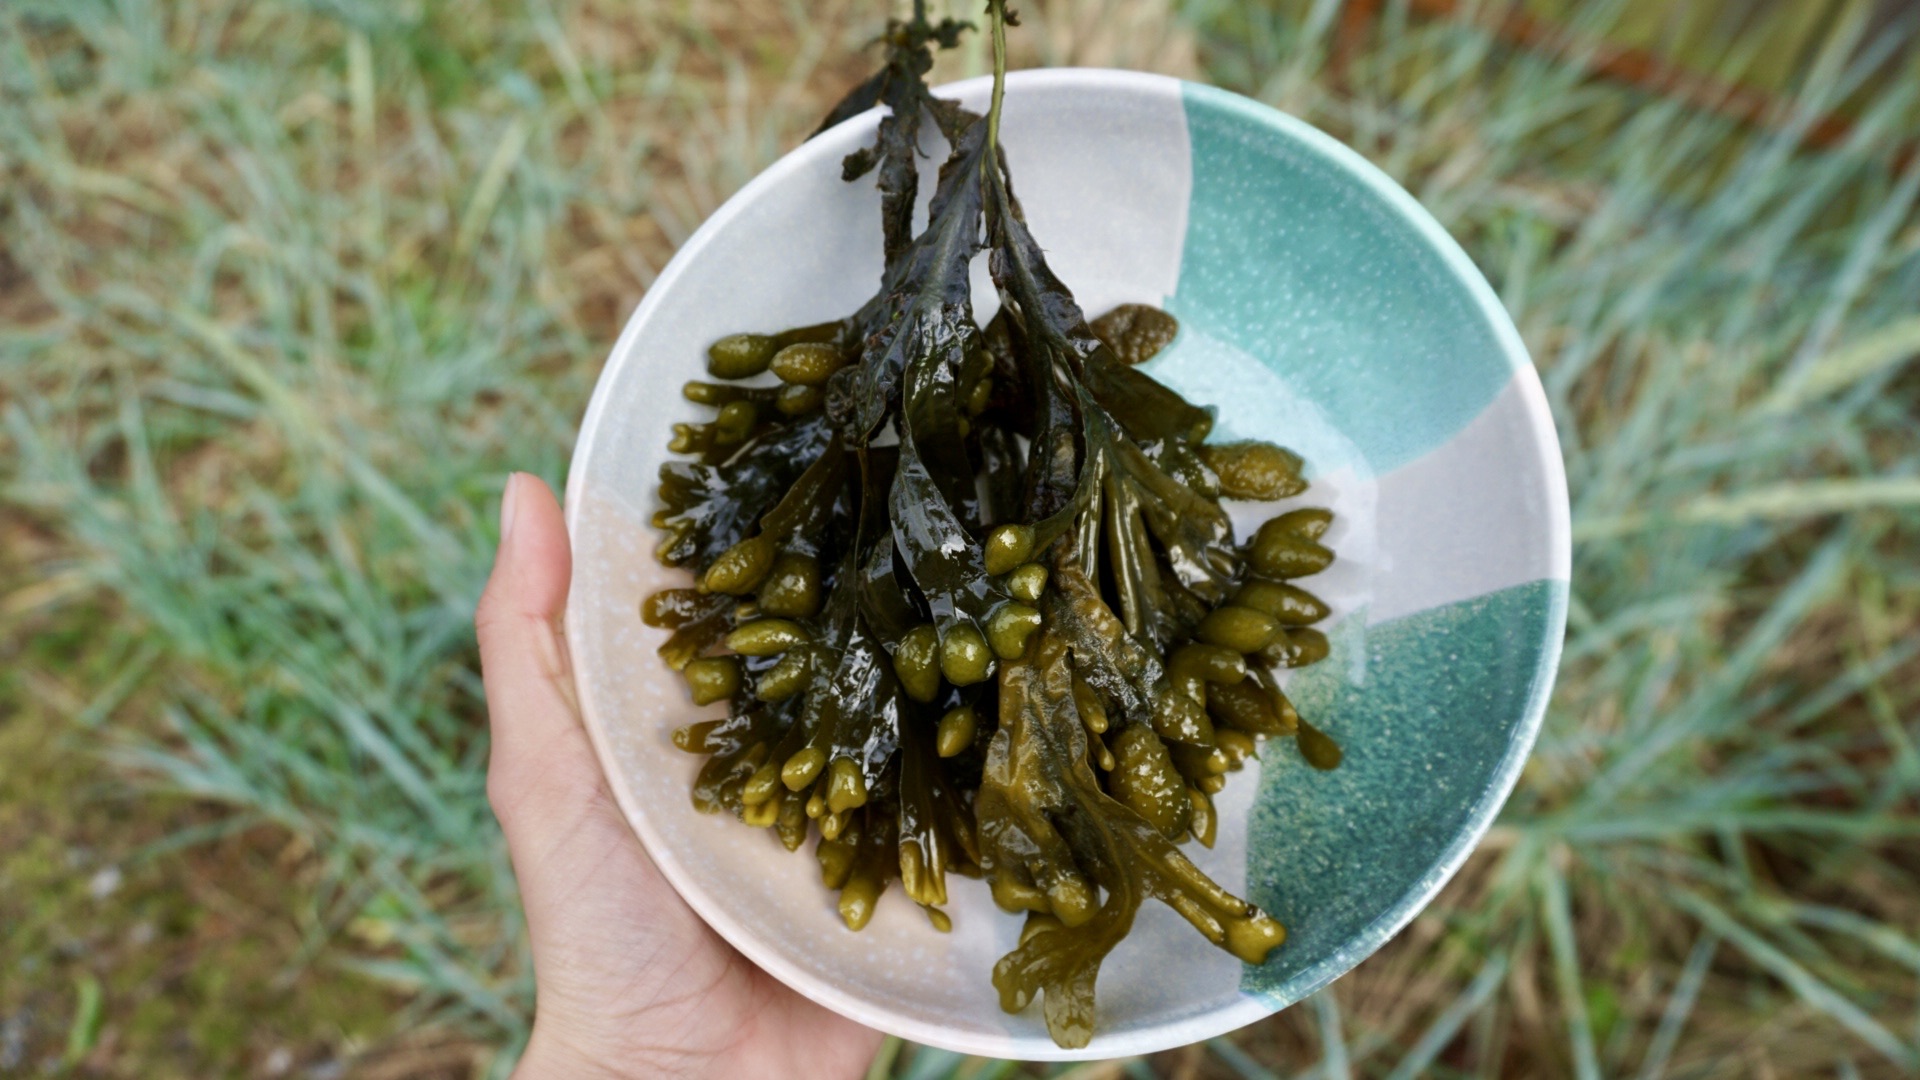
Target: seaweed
<point>971,593</point>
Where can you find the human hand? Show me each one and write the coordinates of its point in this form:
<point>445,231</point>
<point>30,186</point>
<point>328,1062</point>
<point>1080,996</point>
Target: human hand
<point>629,981</point>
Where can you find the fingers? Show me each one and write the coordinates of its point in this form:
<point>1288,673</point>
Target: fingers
<point>542,764</point>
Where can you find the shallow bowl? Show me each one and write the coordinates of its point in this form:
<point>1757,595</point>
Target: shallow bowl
<point>1320,308</point>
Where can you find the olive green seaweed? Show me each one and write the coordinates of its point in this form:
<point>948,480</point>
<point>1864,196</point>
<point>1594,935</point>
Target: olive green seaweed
<point>1021,642</point>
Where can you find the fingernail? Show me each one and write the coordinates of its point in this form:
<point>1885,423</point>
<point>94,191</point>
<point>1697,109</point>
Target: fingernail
<point>507,500</point>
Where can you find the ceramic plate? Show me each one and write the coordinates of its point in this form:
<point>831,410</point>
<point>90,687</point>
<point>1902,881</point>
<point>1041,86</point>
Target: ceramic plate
<point>1321,308</point>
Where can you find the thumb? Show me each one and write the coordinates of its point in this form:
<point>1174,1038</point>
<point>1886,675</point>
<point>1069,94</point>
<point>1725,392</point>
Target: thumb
<point>596,906</point>
<point>543,771</point>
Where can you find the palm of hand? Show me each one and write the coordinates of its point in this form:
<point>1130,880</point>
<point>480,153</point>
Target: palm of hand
<point>630,981</point>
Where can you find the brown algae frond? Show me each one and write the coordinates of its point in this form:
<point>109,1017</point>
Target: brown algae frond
<point>1022,643</point>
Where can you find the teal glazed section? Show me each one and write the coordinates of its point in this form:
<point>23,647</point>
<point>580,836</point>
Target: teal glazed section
<point>1354,299</point>
<point>1434,712</point>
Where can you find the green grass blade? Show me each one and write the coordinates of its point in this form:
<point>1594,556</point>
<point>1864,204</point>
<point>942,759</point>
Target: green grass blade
<point>1335,1060</point>
<point>1787,501</point>
<point>1438,1034</point>
<point>1241,1062</point>
<point>1809,989</point>
<point>883,1058</point>
<point>931,1064</point>
<point>1880,351</point>
<point>1558,919</point>
<point>1680,1004</point>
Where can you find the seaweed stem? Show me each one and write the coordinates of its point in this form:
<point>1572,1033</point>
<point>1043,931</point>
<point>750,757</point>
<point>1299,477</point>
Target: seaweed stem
<point>997,11</point>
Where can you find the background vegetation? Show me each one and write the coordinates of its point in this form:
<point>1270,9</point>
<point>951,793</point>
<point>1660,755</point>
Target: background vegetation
<point>287,286</point>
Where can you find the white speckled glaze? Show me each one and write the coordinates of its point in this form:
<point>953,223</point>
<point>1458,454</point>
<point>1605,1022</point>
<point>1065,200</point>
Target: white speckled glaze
<point>1104,165</point>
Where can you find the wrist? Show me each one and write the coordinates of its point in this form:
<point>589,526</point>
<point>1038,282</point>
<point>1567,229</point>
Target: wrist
<point>551,1058</point>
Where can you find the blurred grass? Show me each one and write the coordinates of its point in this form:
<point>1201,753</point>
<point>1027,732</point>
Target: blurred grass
<point>286,287</point>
